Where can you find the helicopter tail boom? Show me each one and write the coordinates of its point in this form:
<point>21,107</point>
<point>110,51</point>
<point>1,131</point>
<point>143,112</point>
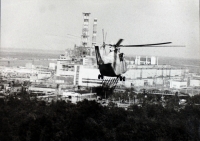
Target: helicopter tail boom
<point>98,56</point>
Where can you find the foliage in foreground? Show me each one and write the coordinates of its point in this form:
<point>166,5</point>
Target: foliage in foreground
<point>31,120</point>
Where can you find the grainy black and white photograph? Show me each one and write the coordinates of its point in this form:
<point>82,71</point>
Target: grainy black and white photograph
<point>99,70</point>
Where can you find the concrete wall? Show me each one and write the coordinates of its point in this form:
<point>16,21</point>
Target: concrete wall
<point>61,71</point>
<point>41,89</point>
<point>159,81</point>
<point>137,83</point>
<point>194,82</point>
<point>177,72</point>
<point>43,75</point>
<point>52,66</point>
<point>133,73</point>
<point>89,76</point>
<point>178,84</point>
<point>146,73</point>
<point>153,60</point>
<point>166,72</point>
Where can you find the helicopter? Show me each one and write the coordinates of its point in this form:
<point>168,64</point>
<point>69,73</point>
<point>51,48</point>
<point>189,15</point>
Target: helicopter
<point>114,64</point>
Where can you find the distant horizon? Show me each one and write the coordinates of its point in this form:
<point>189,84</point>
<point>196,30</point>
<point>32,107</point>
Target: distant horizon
<point>60,51</point>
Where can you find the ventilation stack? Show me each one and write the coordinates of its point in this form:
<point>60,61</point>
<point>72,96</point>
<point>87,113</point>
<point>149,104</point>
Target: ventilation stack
<point>94,35</point>
<point>85,30</point>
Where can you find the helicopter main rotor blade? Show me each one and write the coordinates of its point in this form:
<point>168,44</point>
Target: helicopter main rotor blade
<point>119,42</point>
<point>162,46</point>
<point>146,45</point>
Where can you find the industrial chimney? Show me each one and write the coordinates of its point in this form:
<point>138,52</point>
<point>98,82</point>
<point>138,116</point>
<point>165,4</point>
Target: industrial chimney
<point>94,35</point>
<point>85,29</point>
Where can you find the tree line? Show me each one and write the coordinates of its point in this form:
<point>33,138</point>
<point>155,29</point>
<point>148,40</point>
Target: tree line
<point>31,120</point>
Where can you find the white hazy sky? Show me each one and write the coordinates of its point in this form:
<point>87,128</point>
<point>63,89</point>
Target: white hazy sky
<point>49,24</point>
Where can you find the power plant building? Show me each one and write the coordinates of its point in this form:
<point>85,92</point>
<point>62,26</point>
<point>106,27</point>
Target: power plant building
<point>80,65</point>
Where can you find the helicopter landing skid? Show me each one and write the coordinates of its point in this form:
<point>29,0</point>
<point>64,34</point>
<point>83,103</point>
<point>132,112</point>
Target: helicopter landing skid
<point>100,76</point>
<point>122,78</point>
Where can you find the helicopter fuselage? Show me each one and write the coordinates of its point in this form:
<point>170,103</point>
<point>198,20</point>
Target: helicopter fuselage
<point>107,70</point>
<point>111,65</point>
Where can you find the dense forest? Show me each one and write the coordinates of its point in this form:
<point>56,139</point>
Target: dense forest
<point>25,120</point>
